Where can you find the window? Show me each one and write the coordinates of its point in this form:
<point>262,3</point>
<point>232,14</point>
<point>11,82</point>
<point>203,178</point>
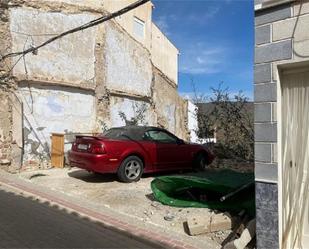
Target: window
<point>139,28</point>
<point>160,136</point>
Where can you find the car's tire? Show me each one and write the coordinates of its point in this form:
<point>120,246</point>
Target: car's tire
<point>131,169</point>
<point>200,162</point>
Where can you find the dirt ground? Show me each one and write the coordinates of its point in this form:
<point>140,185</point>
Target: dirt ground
<point>134,199</point>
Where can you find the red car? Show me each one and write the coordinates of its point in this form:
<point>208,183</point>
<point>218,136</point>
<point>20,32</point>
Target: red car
<point>131,151</point>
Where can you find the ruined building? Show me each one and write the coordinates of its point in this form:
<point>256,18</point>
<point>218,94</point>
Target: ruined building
<point>84,82</point>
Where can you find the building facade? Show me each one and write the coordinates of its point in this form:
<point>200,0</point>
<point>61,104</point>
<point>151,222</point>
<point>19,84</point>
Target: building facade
<point>281,124</point>
<point>84,82</point>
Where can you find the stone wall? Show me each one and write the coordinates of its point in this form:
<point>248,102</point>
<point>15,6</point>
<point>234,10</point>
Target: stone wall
<point>281,37</point>
<point>5,95</point>
<point>171,109</point>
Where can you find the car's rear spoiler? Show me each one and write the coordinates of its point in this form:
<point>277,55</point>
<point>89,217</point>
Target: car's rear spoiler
<point>85,136</point>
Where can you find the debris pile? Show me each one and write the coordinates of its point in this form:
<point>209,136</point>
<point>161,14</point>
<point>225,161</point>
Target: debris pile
<point>230,192</point>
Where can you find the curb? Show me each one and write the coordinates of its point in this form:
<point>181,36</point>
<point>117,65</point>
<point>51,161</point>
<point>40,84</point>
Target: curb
<point>106,220</point>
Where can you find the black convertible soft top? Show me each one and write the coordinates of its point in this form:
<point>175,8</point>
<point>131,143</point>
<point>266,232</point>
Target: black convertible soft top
<point>129,132</point>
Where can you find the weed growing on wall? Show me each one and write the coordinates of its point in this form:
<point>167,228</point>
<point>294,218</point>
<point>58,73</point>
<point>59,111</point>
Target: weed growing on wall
<point>139,115</point>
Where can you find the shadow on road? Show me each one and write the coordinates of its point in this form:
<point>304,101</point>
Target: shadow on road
<point>92,177</point>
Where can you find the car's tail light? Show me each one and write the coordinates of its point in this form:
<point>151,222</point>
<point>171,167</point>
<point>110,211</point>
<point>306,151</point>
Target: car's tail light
<point>97,149</point>
<point>74,146</point>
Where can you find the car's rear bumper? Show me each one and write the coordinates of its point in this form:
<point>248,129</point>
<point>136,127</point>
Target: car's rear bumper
<point>101,163</point>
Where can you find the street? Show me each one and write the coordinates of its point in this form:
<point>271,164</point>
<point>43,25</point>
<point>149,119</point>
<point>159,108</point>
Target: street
<point>25,223</point>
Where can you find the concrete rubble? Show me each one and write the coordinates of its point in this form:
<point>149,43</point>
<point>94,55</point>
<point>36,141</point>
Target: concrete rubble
<point>214,223</point>
<point>105,190</point>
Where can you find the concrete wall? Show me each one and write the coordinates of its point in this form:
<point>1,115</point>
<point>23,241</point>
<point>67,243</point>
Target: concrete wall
<point>164,54</point>
<point>5,128</point>
<point>69,60</point>
<point>53,110</point>
<point>143,13</point>
<point>82,82</point>
<point>130,108</point>
<point>281,37</point>
<point>128,64</point>
<point>169,106</point>
<point>192,122</point>
<point>6,142</point>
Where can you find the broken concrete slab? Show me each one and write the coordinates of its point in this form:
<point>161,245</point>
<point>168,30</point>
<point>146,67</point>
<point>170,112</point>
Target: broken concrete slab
<point>214,223</point>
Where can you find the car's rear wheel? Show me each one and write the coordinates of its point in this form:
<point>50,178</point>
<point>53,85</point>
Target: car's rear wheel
<point>200,162</point>
<point>131,169</point>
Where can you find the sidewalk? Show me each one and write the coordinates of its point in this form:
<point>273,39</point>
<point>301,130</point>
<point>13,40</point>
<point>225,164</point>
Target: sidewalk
<point>101,214</point>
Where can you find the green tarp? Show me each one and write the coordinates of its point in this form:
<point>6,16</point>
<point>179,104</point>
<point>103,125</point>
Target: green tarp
<point>205,189</point>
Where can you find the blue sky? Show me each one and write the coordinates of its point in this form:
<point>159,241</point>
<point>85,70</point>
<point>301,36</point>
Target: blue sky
<point>215,39</point>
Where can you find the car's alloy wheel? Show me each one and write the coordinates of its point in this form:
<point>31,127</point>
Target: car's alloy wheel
<point>133,169</point>
<point>130,169</point>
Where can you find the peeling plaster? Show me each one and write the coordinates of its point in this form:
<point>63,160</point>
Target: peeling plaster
<point>69,59</point>
<point>127,106</point>
<point>53,110</point>
<point>128,64</point>
<point>82,82</point>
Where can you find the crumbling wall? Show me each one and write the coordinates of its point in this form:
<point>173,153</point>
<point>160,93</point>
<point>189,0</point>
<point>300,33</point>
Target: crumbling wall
<point>85,82</point>
<point>49,109</point>
<point>5,128</point>
<point>171,109</point>
<point>5,103</point>
<point>69,60</point>
<point>128,64</point>
<point>130,107</point>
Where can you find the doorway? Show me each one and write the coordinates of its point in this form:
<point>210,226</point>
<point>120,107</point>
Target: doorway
<point>294,146</point>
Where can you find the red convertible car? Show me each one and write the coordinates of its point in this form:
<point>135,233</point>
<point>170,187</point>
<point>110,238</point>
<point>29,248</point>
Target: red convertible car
<point>131,151</point>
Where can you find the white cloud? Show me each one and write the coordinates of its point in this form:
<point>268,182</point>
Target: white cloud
<point>194,97</point>
<point>202,18</point>
<point>201,58</point>
<point>205,96</point>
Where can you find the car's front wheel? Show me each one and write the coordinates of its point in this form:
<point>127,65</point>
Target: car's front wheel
<point>131,169</point>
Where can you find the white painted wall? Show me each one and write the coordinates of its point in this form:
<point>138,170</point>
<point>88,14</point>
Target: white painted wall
<point>69,59</point>
<point>48,110</point>
<point>164,54</point>
<point>128,65</point>
<point>128,106</point>
<point>192,122</point>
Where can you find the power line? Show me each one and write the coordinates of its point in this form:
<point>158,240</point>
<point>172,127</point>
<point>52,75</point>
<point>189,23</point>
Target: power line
<point>77,29</point>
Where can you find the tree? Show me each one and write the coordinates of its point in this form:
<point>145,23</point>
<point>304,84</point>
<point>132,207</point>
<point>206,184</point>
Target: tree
<point>231,118</point>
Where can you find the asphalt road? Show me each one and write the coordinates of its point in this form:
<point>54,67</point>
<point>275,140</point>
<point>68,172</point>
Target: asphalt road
<point>25,223</point>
